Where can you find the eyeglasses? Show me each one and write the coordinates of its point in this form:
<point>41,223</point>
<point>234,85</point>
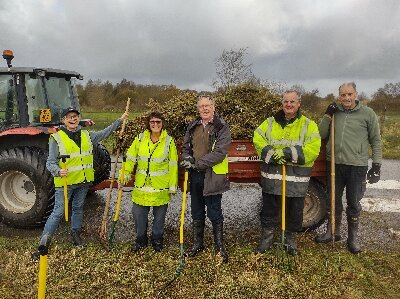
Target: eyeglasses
<point>153,122</point>
<point>72,117</point>
<point>289,102</point>
<point>204,106</point>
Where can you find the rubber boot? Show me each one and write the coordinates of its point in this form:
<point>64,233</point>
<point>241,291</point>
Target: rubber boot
<point>291,243</point>
<point>140,243</point>
<point>45,240</point>
<point>198,237</point>
<point>76,239</point>
<point>327,236</point>
<point>352,242</point>
<point>267,237</point>
<point>219,241</point>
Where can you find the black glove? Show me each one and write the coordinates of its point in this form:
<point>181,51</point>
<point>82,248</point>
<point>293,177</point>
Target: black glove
<point>374,173</point>
<point>332,109</point>
<point>188,163</point>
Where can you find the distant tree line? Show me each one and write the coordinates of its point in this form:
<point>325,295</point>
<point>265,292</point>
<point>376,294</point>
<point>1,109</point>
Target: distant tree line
<point>232,70</point>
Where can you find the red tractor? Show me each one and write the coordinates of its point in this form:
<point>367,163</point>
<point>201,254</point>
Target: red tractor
<point>31,102</point>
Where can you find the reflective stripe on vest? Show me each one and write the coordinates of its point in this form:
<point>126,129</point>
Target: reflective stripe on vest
<point>80,161</point>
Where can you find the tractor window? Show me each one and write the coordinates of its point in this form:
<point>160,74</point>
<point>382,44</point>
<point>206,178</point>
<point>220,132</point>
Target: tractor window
<point>8,103</point>
<point>36,98</point>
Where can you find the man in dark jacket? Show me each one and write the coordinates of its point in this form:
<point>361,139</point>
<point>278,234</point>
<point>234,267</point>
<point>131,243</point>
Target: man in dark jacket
<point>204,154</point>
<point>356,129</point>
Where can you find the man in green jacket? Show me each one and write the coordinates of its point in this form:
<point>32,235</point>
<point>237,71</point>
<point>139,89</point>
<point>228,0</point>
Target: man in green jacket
<point>356,129</point>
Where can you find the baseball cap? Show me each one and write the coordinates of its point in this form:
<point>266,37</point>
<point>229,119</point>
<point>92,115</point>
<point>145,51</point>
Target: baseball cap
<point>67,110</point>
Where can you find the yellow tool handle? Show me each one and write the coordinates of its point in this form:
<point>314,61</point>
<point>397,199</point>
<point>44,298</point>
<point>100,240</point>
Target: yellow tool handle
<point>185,184</point>
<point>65,195</point>
<point>42,276</point>
<point>120,192</point>
<point>283,197</point>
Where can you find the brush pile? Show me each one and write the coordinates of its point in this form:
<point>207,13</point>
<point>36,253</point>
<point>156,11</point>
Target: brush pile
<point>243,107</point>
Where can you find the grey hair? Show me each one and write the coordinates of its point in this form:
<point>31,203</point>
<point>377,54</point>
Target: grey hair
<point>293,91</point>
<point>210,98</point>
<point>352,84</point>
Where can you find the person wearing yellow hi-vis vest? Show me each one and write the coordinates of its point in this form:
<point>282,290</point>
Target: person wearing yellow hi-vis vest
<point>204,155</point>
<point>76,144</point>
<point>154,154</point>
<point>292,139</point>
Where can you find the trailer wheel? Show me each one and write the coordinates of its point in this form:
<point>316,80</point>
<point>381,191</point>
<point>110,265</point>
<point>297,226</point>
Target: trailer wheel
<point>101,163</point>
<point>314,205</point>
<point>26,187</point>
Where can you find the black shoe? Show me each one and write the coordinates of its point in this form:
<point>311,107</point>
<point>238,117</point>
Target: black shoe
<point>327,236</point>
<point>157,245</point>
<point>76,239</point>
<point>198,237</point>
<point>137,247</point>
<point>291,243</point>
<point>35,256</point>
<point>352,242</point>
<point>219,241</point>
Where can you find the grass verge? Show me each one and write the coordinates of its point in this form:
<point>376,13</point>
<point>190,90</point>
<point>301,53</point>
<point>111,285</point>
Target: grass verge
<point>91,272</point>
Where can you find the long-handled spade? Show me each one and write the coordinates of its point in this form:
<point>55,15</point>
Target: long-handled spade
<point>120,189</point>
<point>333,207</point>
<point>43,250</point>
<point>283,260</point>
<point>64,166</point>
<point>181,264</point>
<point>103,227</point>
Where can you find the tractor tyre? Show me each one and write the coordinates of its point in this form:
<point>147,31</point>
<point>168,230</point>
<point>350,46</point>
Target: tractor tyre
<point>315,201</point>
<point>26,187</point>
<point>101,163</point>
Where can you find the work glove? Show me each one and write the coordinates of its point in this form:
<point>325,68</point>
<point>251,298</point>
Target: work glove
<point>374,173</point>
<point>279,156</point>
<point>332,109</point>
<point>188,163</point>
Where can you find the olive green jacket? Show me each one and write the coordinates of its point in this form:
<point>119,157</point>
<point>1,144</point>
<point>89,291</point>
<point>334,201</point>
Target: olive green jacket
<point>355,131</point>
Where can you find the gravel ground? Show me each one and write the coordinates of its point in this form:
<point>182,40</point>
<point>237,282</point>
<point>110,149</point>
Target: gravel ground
<point>241,205</point>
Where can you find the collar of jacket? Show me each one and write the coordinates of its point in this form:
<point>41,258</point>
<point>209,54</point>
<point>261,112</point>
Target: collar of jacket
<point>280,118</point>
<point>357,107</point>
<point>71,133</point>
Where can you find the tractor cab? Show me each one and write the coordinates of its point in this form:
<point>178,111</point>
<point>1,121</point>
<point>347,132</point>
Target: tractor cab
<point>35,97</point>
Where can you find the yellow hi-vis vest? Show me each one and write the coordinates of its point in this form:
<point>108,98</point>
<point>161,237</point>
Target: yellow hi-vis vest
<point>155,162</point>
<point>80,163</point>
<point>221,168</point>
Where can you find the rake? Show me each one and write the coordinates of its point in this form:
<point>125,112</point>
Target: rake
<point>181,263</point>
<point>120,189</point>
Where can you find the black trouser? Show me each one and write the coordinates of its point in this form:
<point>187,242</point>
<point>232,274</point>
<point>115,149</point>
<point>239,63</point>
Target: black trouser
<point>199,201</point>
<point>271,212</point>
<point>353,179</point>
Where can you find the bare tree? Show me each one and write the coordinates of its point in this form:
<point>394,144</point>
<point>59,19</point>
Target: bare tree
<point>232,69</point>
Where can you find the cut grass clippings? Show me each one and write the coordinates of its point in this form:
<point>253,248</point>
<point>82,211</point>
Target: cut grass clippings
<point>92,272</point>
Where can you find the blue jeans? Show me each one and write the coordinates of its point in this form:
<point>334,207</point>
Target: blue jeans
<point>140,215</point>
<point>76,196</point>
<point>199,201</point>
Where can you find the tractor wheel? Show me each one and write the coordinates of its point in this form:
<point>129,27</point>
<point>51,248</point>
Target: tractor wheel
<point>314,206</point>
<point>101,163</point>
<point>26,187</point>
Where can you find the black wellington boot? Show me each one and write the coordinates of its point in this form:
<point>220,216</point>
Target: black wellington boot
<point>267,237</point>
<point>198,237</point>
<point>327,236</point>
<point>352,241</point>
<point>44,244</point>
<point>218,229</point>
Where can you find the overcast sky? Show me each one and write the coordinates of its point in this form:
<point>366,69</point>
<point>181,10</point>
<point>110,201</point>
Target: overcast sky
<point>318,44</point>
